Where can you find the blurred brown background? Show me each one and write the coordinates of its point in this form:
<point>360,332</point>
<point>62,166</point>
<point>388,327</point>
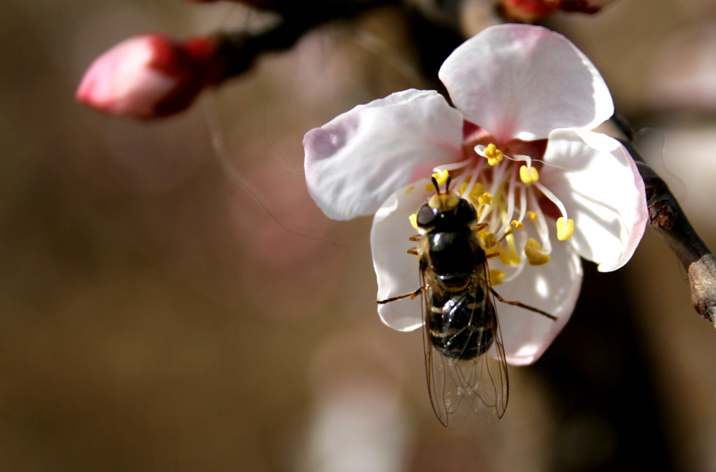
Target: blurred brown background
<point>156,316</point>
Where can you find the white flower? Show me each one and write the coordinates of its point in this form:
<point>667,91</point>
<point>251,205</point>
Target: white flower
<point>519,146</point>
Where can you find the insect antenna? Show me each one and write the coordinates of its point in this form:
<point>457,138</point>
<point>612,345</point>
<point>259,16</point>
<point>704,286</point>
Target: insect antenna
<point>437,185</point>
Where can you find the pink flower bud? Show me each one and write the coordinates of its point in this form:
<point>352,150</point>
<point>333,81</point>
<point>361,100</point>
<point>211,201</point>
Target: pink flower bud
<point>149,76</point>
<point>530,11</point>
<point>527,11</point>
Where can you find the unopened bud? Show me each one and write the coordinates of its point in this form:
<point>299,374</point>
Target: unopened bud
<point>531,11</point>
<point>150,76</point>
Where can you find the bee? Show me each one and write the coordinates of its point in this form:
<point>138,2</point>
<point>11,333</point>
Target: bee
<point>460,324</point>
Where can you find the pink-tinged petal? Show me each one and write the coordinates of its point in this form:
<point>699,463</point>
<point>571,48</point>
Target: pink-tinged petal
<point>147,76</point>
<point>554,288</point>
<point>602,191</point>
<point>358,159</point>
<point>522,81</point>
<point>397,271</point>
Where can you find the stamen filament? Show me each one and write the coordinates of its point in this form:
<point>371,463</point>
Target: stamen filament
<point>523,204</point>
<point>552,197</point>
<point>473,178</point>
<point>455,165</point>
<point>540,222</point>
<point>510,207</point>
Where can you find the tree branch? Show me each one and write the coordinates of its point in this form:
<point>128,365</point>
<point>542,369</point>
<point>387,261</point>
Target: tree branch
<point>669,221</point>
<point>240,49</point>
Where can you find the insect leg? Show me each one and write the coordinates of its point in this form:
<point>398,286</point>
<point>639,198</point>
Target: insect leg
<point>410,295</point>
<point>522,305</point>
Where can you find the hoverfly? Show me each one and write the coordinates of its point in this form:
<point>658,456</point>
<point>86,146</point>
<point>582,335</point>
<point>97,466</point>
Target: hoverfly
<point>460,322</point>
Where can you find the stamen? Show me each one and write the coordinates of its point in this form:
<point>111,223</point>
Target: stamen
<point>504,205</point>
<point>523,204</point>
<point>510,207</point>
<point>513,256</point>
<point>487,239</point>
<point>536,256</point>
<point>496,276</point>
<point>455,166</point>
<point>491,251</point>
<point>473,181</point>
<point>441,176</point>
<point>565,228</point>
<point>516,272</point>
<point>529,175</point>
<point>493,155</point>
<point>485,199</point>
<point>553,198</point>
<point>540,221</point>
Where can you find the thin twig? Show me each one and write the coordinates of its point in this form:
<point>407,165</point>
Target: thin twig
<point>240,49</point>
<point>669,221</point>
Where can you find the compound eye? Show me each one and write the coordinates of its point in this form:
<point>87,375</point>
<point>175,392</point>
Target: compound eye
<point>464,212</point>
<point>426,216</point>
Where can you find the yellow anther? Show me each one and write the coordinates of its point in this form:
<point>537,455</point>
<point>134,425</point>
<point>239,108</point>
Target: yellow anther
<point>529,175</point>
<point>565,228</point>
<point>484,199</point>
<point>475,192</point>
<point>441,176</point>
<point>487,239</point>
<point>532,215</point>
<point>516,224</point>
<point>536,256</point>
<point>493,155</point>
<point>496,276</point>
<point>414,220</point>
<point>409,189</point>
<point>489,251</point>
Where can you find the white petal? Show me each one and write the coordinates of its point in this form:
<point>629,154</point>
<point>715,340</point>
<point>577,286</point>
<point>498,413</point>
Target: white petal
<point>354,162</point>
<point>554,288</point>
<point>397,271</point>
<point>522,81</point>
<point>603,193</point>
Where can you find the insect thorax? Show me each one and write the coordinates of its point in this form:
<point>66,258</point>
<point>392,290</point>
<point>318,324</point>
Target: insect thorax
<point>458,304</point>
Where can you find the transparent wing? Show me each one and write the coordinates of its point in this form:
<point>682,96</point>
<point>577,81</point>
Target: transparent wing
<point>458,387</point>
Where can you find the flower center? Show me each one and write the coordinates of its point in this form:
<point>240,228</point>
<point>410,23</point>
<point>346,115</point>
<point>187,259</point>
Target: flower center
<point>506,192</point>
